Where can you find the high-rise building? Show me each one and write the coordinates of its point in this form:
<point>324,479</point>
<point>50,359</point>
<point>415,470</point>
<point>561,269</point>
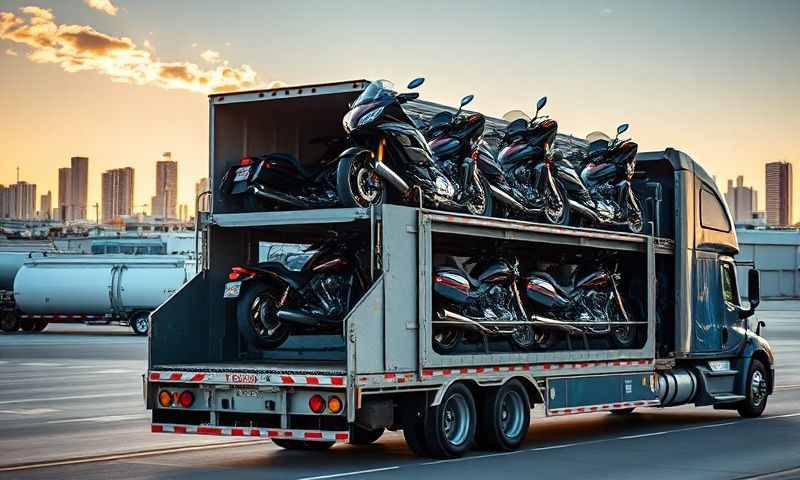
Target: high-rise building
<point>117,193</point>
<point>18,201</point>
<point>64,193</point>
<point>46,206</point>
<point>183,212</point>
<point>741,200</point>
<point>165,201</point>
<point>79,180</point>
<point>779,193</point>
<point>8,202</point>
<point>200,187</point>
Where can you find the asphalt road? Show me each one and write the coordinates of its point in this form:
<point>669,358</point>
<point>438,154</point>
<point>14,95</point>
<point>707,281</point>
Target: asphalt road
<point>73,394</point>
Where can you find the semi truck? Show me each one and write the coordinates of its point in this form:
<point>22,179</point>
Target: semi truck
<point>698,343</point>
<point>95,289</point>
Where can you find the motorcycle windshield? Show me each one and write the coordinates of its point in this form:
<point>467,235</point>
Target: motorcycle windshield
<point>377,90</point>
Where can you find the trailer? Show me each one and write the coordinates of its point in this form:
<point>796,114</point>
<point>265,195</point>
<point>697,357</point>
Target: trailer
<point>95,289</point>
<point>381,371</point>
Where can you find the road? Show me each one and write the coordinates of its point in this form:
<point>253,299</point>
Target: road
<point>50,382</point>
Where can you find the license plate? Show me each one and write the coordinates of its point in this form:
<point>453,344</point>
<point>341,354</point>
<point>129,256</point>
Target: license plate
<point>232,289</point>
<point>242,173</point>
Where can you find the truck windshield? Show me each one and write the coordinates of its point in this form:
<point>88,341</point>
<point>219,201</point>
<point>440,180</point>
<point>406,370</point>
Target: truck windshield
<point>374,91</point>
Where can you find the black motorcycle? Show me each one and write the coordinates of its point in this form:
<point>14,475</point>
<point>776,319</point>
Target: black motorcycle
<point>280,181</point>
<point>520,175</point>
<point>602,191</point>
<point>274,301</point>
<point>482,303</point>
<point>390,149</point>
<point>590,304</point>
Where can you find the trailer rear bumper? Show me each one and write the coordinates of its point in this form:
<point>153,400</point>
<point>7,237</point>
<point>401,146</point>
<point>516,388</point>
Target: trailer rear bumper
<point>305,435</point>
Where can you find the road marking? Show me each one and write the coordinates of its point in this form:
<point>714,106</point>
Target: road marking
<point>119,370</point>
<point>787,387</point>
<point>123,456</point>
<point>781,475</point>
<point>70,397</point>
<point>31,411</point>
<point>348,474</point>
<point>39,364</point>
<point>105,419</point>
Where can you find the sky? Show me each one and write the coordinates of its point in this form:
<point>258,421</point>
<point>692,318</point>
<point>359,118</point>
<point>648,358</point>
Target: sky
<point>123,81</point>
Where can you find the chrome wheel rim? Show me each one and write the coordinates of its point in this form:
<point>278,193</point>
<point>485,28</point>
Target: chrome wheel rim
<point>477,192</point>
<point>141,324</point>
<point>554,214</point>
<point>366,184</point>
<point>758,388</point>
<point>523,336</point>
<point>260,319</point>
<point>455,419</point>
<point>512,417</point>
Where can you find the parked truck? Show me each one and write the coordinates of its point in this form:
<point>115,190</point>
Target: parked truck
<point>97,289</point>
<point>698,343</point>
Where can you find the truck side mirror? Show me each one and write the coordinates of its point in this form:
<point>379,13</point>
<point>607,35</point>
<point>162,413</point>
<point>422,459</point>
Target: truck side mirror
<point>753,293</point>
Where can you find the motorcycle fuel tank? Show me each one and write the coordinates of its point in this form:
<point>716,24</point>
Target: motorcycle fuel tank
<point>593,280</point>
<point>518,153</point>
<point>493,272</point>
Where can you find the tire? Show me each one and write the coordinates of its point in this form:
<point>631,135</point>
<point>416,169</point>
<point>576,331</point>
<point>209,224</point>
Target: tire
<point>9,322</point>
<point>546,338</point>
<point>756,395</point>
<point>140,323</point>
<point>488,199</point>
<point>633,225</point>
<point>627,337</point>
<point>39,325</point>
<point>362,436</point>
<point>414,434</point>
<point>523,339</point>
<point>358,185</point>
<point>447,339</point>
<point>301,444</point>
<point>257,296</point>
<point>26,324</point>
<point>623,411</point>
<point>552,217</point>
<point>505,415</point>
<point>450,426</point>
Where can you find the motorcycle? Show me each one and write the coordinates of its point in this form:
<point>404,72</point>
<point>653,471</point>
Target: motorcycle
<point>279,180</point>
<point>390,149</point>
<point>521,175</point>
<point>274,301</point>
<point>484,302</point>
<point>590,304</point>
<point>602,191</point>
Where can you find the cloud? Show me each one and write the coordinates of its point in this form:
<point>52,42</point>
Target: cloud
<point>103,5</point>
<point>12,52</point>
<point>78,48</point>
<point>211,56</point>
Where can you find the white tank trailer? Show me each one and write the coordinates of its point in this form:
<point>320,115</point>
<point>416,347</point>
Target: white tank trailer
<point>96,288</point>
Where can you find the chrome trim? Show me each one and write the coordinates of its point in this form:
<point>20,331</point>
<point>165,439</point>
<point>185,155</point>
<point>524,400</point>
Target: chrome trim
<point>391,177</point>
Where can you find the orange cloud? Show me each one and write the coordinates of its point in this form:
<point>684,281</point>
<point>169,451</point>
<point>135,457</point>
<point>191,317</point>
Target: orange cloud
<point>103,5</point>
<point>77,48</point>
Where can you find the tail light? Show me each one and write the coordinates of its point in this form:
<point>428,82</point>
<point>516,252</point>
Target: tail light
<point>186,399</point>
<point>245,161</point>
<point>237,272</point>
<point>474,118</point>
<point>334,404</point>
<point>164,398</point>
<point>451,282</point>
<point>316,403</point>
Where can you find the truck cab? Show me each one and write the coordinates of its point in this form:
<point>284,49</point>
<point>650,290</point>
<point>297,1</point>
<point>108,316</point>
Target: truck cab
<point>703,322</point>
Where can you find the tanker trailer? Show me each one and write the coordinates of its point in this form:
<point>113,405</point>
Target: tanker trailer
<point>10,263</point>
<point>105,289</point>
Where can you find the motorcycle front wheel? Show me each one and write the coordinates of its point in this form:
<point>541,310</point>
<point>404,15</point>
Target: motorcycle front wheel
<point>556,209</point>
<point>255,315</point>
<point>523,338</point>
<point>358,185</point>
<point>626,336</point>
<point>479,197</point>
<point>446,339</point>
<point>635,214</point>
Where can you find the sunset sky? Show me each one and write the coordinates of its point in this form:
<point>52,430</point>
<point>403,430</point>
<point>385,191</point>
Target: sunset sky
<point>123,81</point>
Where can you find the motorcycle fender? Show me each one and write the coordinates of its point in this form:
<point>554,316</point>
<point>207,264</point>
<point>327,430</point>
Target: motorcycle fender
<point>450,293</point>
<point>540,292</point>
<point>352,152</point>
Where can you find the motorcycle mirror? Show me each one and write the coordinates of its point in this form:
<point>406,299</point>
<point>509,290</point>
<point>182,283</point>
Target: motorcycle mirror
<point>541,103</point>
<point>416,83</point>
<point>467,99</point>
<point>621,129</point>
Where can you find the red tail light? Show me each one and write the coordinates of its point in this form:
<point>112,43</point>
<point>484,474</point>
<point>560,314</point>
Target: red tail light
<point>474,117</point>
<point>245,161</point>
<point>449,282</point>
<point>237,272</point>
<point>186,399</point>
<point>316,404</point>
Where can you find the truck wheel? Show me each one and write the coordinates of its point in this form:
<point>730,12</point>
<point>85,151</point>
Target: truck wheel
<point>362,436</point>
<point>414,430</point>
<point>450,426</point>
<point>9,322</point>
<point>357,183</point>
<point>756,401</point>
<point>301,445</point>
<point>255,314</point>
<point>505,415</point>
<point>140,323</point>
<point>26,324</point>
<point>39,325</point>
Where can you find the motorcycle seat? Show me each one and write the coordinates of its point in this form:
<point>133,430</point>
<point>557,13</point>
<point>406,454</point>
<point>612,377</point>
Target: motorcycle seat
<point>458,271</point>
<point>563,290</point>
<point>295,279</point>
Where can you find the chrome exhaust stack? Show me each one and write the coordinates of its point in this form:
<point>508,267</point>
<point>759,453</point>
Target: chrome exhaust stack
<point>552,323</point>
<point>584,209</point>
<point>277,197</point>
<point>390,176</point>
<point>506,198</point>
<point>446,317</point>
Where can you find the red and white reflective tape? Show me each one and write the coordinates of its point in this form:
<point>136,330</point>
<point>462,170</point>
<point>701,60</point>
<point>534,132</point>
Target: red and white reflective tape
<point>602,408</point>
<point>308,435</point>
<point>60,316</point>
<point>238,378</point>
<point>445,372</point>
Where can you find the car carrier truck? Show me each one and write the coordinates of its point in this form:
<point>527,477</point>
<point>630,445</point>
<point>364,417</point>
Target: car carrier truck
<point>698,344</point>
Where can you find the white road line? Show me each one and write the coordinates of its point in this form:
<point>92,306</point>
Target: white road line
<point>39,364</point>
<point>70,397</point>
<point>119,370</point>
<point>31,411</point>
<point>787,387</point>
<point>349,474</point>
<point>105,419</point>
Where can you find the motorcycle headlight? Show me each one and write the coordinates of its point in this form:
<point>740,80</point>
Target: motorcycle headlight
<point>370,117</point>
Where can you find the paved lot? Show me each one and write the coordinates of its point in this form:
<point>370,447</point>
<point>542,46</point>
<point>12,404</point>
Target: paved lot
<point>75,392</point>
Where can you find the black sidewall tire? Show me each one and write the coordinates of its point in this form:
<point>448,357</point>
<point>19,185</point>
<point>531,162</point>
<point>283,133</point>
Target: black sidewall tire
<point>635,332</point>
<point>343,188</point>
<point>435,438</point>
<point>490,435</point>
<point>243,318</point>
<point>444,350</point>
<point>361,436</point>
<point>9,322</point>
<point>562,192</point>
<point>487,193</point>
<point>746,408</point>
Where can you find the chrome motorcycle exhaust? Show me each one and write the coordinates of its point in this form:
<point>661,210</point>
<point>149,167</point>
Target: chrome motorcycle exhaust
<point>506,198</point>
<point>545,322</point>
<point>451,318</point>
<point>584,209</point>
<point>391,177</point>
<point>277,197</point>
